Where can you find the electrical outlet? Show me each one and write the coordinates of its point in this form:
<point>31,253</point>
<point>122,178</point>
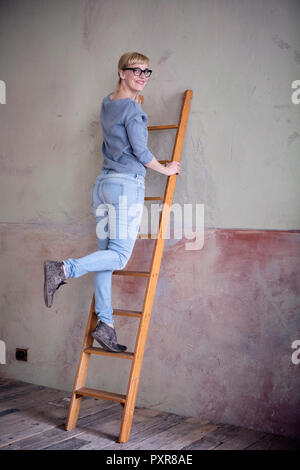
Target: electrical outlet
<point>21,354</point>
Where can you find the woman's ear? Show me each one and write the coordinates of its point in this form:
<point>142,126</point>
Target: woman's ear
<point>121,74</point>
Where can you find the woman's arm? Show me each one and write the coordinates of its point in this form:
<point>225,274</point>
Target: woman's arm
<point>169,169</point>
<point>135,127</point>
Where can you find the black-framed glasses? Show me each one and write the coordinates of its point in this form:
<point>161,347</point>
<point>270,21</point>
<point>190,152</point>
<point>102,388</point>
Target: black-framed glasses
<point>138,72</point>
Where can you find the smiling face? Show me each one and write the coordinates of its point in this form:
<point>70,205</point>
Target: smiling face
<point>131,82</point>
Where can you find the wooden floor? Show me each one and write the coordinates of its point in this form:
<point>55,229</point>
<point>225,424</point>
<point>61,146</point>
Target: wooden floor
<point>33,417</point>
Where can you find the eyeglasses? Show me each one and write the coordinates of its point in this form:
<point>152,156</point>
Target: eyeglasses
<point>138,72</point>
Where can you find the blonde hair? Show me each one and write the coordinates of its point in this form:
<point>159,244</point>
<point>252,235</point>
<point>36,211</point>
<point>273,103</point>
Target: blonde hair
<point>130,58</point>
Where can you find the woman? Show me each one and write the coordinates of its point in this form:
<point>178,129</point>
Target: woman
<point>119,188</point>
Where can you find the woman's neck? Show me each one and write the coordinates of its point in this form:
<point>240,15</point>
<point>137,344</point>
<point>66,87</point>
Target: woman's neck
<point>121,93</point>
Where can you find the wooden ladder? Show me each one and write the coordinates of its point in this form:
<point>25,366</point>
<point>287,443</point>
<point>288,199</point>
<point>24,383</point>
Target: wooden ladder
<point>128,400</point>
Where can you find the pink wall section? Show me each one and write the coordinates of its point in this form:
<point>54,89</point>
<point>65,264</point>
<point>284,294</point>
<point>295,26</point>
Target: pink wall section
<point>224,319</point>
<point>223,322</point>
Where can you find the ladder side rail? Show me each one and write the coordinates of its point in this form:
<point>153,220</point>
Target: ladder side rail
<point>82,369</point>
<point>183,120</point>
<point>134,378</point>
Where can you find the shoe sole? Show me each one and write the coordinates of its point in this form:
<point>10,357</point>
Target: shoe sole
<point>106,346</point>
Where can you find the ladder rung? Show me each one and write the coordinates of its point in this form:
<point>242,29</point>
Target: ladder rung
<point>152,236</point>
<point>122,272</point>
<point>164,161</point>
<point>103,352</point>
<point>154,198</point>
<point>127,313</point>
<point>91,392</point>
<point>160,128</point>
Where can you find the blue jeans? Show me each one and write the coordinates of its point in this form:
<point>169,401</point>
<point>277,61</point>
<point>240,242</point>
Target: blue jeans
<point>117,200</point>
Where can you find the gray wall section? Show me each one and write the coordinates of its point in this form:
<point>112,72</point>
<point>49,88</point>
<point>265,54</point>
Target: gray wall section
<point>235,301</point>
<point>241,155</point>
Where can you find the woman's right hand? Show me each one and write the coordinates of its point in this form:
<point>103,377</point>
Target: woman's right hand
<point>169,169</point>
<point>172,168</point>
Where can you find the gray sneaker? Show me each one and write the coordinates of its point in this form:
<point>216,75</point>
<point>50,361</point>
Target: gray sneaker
<point>107,338</point>
<point>54,277</point>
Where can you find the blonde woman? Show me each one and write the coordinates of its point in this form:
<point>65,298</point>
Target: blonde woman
<point>119,187</point>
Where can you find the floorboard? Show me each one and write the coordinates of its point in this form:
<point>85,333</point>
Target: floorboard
<point>32,417</point>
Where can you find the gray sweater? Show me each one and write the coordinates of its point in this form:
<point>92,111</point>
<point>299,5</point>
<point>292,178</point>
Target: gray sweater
<point>125,136</point>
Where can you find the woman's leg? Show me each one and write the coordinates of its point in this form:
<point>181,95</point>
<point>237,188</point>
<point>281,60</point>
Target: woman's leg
<point>101,260</point>
<point>118,204</point>
<point>102,290</point>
